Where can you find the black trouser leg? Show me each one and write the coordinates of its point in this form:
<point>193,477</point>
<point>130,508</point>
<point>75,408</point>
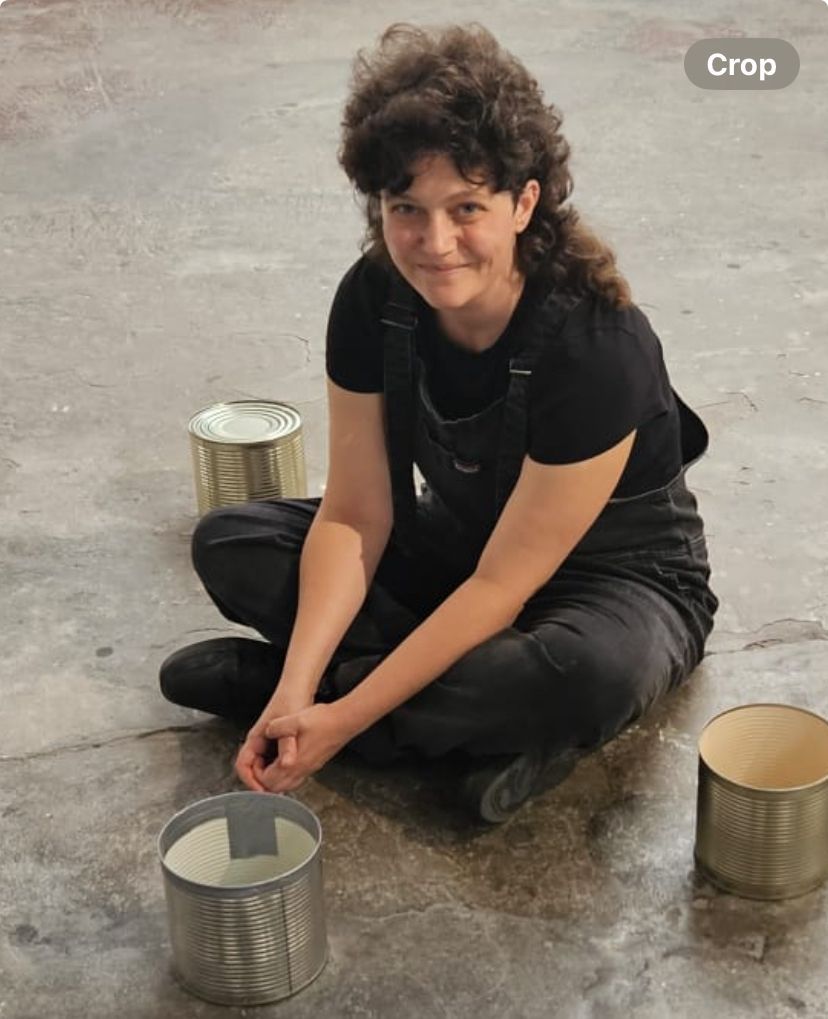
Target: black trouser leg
<point>247,557</point>
<point>587,655</point>
<point>582,661</point>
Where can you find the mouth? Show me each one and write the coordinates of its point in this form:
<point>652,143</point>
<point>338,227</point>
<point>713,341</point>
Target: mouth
<point>442,270</point>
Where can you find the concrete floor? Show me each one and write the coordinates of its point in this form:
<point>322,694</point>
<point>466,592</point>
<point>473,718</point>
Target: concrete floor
<point>173,224</point>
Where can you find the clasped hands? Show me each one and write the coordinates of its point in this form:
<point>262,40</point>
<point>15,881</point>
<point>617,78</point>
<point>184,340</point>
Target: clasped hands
<point>306,735</point>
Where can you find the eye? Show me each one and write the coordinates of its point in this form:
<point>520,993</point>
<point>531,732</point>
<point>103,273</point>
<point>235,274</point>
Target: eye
<point>469,208</point>
<point>403,208</point>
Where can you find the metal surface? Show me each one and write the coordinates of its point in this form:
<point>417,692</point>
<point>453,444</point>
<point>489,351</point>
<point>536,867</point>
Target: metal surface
<point>762,812</point>
<point>247,449</point>
<point>245,929</point>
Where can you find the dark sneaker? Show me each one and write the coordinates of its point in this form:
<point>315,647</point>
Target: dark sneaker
<point>232,677</point>
<point>495,790</point>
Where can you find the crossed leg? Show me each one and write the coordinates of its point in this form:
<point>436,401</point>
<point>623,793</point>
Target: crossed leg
<point>587,655</point>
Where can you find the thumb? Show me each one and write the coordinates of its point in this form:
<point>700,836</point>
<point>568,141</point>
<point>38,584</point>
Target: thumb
<point>278,728</point>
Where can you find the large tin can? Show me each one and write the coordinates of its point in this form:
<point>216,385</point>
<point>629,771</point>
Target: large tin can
<point>762,812</point>
<point>247,449</point>
<point>243,882</point>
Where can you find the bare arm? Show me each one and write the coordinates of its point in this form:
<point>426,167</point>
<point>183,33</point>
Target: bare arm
<point>340,555</point>
<point>549,511</point>
<point>346,539</point>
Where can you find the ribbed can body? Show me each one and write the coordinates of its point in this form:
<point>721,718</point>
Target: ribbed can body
<point>244,943</point>
<point>247,449</point>
<point>762,810</point>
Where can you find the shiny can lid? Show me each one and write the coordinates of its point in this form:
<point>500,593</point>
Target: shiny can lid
<point>245,422</point>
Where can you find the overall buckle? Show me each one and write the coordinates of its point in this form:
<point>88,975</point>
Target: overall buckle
<point>513,370</point>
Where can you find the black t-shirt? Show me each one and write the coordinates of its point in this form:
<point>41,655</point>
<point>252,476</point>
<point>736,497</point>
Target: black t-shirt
<point>600,375</point>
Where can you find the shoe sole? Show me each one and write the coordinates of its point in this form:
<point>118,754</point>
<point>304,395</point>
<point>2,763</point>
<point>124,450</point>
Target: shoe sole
<point>528,775</point>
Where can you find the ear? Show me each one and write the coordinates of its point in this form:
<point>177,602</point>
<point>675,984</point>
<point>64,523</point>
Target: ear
<point>525,204</point>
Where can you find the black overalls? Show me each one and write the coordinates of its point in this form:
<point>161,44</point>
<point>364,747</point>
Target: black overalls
<point>622,621</point>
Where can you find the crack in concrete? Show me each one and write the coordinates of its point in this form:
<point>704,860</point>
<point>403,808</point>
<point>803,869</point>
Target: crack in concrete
<point>303,340</point>
<point>413,911</point>
<point>742,393</point>
<point>778,631</point>
<point>73,748</point>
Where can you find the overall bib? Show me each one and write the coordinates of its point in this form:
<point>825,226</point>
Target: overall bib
<point>470,466</point>
<point>621,622</point>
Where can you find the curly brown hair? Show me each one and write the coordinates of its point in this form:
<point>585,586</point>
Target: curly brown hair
<point>457,92</point>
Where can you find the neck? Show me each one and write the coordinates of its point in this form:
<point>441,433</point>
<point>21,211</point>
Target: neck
<point>479,326</point>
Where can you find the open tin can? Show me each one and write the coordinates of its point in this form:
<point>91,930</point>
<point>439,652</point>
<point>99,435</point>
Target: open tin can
<point>762,813</point>
<point>243,883</point>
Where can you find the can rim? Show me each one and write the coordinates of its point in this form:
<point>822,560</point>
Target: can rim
<point>247,443</point>
<point>234,891</point>
<point>771,790</point>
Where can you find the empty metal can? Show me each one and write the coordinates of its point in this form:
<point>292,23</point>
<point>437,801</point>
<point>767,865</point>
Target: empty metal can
<point>243,883</point>
<point>247,449</point>
<point>762,812</point>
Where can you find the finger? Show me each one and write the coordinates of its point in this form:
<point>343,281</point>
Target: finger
<point>249,777</point>
<point>257,742</point>
<point>246,763</point>
<point>251,780</point>
<point>278,779</point>
<point>288,751</point>
<point>258,773</point>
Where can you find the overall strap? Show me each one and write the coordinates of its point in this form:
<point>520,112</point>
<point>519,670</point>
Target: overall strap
<point>515,424</point>
<point>400,321</point>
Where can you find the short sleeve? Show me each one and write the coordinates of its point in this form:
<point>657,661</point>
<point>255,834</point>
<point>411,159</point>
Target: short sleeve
<point>602,377</point>
<point>353,347</point>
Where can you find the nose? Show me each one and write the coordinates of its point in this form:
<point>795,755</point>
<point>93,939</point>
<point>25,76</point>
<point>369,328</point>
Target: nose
<point>438,237</point>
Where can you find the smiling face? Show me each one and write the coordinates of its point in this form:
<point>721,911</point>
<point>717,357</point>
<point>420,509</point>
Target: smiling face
<point>453,240</point>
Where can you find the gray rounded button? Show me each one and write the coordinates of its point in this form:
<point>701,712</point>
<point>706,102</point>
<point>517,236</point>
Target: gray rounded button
<point>740,64</point>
